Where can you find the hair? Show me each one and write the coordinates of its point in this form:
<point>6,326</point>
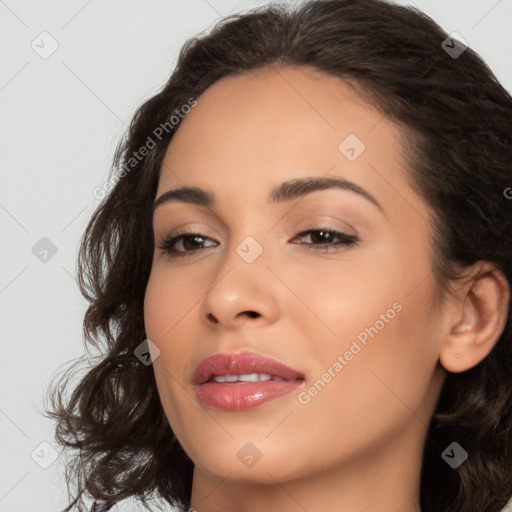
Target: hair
<point>455,119</point>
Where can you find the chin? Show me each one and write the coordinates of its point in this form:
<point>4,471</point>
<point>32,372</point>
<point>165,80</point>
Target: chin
<point>245,459</point>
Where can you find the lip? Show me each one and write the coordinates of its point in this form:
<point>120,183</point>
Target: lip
<point>238,396</point>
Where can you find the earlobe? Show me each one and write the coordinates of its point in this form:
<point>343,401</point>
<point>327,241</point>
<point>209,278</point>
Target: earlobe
<point>476,323</point>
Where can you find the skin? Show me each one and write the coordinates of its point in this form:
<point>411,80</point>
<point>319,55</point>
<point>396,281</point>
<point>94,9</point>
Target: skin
<point>357,444</point>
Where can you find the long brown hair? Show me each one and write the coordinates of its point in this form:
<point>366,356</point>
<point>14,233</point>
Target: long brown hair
<point>456,122</point>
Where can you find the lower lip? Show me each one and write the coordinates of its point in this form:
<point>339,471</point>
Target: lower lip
<point>240,396</point>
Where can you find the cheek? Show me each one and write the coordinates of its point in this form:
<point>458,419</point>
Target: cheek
<point>383,358</point>
<point>168,300</point>
<point>382,387</point>
<point>375,316</point>
<point>169,305</point>
<point>162,314</point>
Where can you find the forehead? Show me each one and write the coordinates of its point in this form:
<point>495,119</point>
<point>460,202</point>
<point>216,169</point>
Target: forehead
<point>253,131</point>
<point>280,106</point>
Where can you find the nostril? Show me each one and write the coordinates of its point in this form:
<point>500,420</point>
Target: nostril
<point>252,314</point>
<point>212,318</point>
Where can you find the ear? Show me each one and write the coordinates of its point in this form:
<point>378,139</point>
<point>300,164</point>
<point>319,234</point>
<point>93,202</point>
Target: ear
<point>476,319</point>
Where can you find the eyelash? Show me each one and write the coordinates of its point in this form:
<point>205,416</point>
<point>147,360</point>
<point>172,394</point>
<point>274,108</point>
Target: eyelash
<point>346,241</point>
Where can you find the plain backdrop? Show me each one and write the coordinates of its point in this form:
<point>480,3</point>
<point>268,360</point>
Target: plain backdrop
<point>61,118</point>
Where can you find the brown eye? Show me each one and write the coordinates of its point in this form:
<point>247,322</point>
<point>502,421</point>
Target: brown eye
<point>183,244</point>
<point>322,239</point>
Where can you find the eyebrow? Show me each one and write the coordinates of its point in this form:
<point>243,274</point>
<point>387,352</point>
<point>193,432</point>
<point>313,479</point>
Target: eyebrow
<point>286,191</point>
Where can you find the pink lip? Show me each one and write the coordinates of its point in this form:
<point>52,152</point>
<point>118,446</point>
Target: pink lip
<point>237,396</point>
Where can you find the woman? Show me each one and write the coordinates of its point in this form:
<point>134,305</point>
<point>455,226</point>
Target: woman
<point>302,274</point>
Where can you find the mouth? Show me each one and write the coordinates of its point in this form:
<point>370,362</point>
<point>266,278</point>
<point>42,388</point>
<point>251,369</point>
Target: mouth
<point>240,381</point>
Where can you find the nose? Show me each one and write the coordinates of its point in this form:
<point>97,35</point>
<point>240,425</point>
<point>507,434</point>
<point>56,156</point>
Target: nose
<point>241,293</point>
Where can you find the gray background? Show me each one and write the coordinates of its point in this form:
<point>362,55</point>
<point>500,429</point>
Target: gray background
<point>61,118</point>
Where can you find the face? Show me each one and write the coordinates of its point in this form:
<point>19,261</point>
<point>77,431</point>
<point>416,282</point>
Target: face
<point>333,281</point>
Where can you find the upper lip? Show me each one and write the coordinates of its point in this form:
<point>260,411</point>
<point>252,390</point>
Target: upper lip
<point>239,364</point>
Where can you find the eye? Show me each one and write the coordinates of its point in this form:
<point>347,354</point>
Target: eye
<point>322,240</point>
<point>176,245</point>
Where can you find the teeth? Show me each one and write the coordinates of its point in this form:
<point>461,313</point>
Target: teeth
<point>246,377</point>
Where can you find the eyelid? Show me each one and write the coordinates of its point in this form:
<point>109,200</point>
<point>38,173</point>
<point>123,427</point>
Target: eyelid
<point>306,225</point>
<point>326,221</point>
<point>189,228</point>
